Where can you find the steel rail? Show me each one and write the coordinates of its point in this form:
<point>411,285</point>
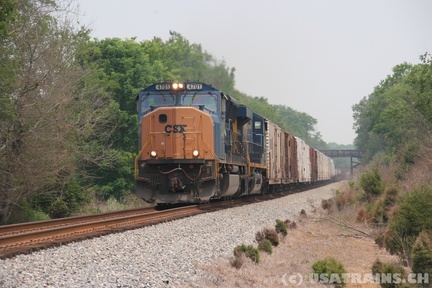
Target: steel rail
<point>28,226</point>
<point>16,243</point>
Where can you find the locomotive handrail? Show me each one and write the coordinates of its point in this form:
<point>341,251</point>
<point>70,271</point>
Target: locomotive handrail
<point>137,158</point>
<point>214,155</point>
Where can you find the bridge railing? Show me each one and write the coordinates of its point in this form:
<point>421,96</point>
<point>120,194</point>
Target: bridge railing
<point>343,153</point>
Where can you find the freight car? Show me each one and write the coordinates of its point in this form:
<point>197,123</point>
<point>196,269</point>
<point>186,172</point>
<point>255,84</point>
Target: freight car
<point>198,144</point>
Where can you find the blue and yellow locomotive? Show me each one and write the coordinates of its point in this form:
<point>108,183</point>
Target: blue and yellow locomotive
<point>197,143</point>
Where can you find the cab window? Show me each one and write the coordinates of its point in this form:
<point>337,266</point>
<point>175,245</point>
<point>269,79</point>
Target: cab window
<point>156,101</point>
<point>206,100</point>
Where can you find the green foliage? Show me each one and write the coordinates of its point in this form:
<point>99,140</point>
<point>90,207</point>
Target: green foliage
<point>248,250</point>
<point>390,198</point>
<point>63,200</point>
<point>269,234</point>
<point>414,215</point>
<point>329,266</point>
<point>406,159</point>
<point>281,228</point>
<point>266,246</point>
<point>378,212</point>
<point>25,213</point>
<point>422,253</point>
<point>7,16</point>
<point>296,123</point>
<point>59,209</point>
<point>371,183</point>
<point>420,80</point>
<point>34,215</point>
<point>388,273</point>
<point>397,113</point>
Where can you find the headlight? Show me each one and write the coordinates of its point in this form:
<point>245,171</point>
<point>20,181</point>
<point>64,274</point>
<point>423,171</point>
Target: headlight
<point>195,153</point>
<point>153,153</point>
<point>177,86</point>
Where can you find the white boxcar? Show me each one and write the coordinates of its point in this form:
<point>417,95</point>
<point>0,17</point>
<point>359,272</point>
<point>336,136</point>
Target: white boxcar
<point>275,152</point>
<point>303,161</point>
<point>322,166</point>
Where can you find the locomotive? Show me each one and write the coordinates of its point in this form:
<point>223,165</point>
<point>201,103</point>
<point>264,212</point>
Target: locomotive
<point>197,143</point>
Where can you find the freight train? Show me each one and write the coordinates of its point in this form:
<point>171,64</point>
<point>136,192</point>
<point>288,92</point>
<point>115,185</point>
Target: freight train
<point>197,144</point>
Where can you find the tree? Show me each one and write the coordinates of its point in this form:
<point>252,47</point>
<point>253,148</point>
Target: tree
<point>386,119</point>
<point>43,117</point>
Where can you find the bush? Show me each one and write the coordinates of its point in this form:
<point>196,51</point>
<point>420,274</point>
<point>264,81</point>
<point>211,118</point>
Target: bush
<point>281,227</point>
<point>371,183</point>
<point>327,267</point>
<point>268,234</point>
<point>414,215</point>
<point>34,215</point>
<point>59,209</point>
<point>25,213</point>
<point>422,254</point>
<point>266,246</point>
<point>388,272</point>
<point>407,159</point>
<point>249,251</point>
<point>390,199</point>
<point>377,212</point>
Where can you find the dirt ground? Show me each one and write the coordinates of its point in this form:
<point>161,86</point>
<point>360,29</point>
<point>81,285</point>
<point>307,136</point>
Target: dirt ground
<point>317,236</point>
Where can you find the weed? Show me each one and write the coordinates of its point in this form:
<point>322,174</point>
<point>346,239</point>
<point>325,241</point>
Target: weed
<point>281,227</point>
<point>249,251</point>
<point>269,234</point>
<point>266,246</point>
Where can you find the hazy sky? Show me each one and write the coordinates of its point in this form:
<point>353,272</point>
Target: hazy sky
<point>315,56</point>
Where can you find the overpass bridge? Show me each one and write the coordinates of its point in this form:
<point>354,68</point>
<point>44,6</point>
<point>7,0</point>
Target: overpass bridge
<point>357,154</point>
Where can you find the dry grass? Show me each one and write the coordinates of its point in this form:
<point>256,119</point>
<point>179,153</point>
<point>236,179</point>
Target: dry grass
<point>318,236</point>
<point>111,205</point>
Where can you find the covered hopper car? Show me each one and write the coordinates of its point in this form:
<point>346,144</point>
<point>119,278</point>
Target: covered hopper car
<point>197,144</point>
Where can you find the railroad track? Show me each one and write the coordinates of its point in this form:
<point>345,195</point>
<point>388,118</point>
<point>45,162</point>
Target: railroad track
<point>27,237</point>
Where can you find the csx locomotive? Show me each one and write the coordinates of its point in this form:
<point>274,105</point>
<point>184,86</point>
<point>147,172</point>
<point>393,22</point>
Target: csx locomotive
<point>197,144</point>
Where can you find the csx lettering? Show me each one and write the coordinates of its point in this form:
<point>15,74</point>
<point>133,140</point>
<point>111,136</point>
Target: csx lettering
<point>175,128</point>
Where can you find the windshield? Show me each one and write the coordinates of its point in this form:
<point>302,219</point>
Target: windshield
<point>209,101</point>
<point>153,101</point>
<point>205,101</point>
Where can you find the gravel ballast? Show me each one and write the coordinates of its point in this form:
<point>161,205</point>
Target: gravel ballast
<point>164,255</point>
